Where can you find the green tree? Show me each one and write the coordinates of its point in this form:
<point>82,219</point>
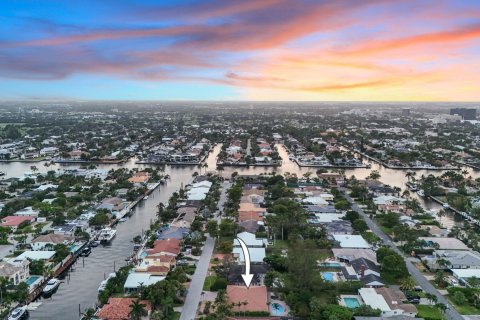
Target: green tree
<point>137,310</point>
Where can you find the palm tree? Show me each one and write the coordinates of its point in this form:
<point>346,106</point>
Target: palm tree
<point>441,306</point>
<point>89,314</point>
<point>408,284</point>
<point>137,310</point>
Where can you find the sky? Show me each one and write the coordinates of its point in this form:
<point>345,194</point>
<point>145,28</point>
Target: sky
<point>312,50</point>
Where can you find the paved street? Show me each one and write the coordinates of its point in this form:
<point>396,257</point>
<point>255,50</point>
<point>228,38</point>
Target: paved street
<point>421,281</point>
<point>196,285</point>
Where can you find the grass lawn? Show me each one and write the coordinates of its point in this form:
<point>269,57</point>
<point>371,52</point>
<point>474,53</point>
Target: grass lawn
<point>429,312</point>
<point>464,308</point>
<point>209,281</point>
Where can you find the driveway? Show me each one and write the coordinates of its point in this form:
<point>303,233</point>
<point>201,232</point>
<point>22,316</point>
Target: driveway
<point>416,274</point>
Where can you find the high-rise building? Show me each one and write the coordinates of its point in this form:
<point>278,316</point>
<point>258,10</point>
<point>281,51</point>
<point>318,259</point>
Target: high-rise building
<point>465,113</point>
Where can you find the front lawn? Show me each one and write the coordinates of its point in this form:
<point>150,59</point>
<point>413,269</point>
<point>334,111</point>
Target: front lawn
<point>209,281</point>
<point>429,312</point>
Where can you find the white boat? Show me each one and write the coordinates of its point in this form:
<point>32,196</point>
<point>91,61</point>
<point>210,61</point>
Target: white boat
<point>51,286</point>
<point>18,313</point>
<point>122,220</point>
<point>103,284</point>
<point>145,198</point>
<point>421,193</point>
<point>446,206</point>
<point>106,235</point>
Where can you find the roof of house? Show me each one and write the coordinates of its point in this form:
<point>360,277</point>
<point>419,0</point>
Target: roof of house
<point>395,298</point>
<point>249,215</point>
<point>52,238</point>
<point>372,279</point>
<point>466,273</point>
<point>352,254</point>
<point>136,279</point>
<point>256,254</point>
<point>369,265</point>
<point>119,308</point>
<point>351,241</point>
<point>7,269</point>
<point>446,243</point>
<point>254,296</point>
<point>170,245</point>
<point>15,221</point>
<point>36,255</point>
<point>371,298</point>
<point>250,240</point>
<point>235,272</point>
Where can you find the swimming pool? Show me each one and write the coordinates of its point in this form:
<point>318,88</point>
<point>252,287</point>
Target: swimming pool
<point>32,279</point>
<point>330,265</point>
<point>351,303</point>
<point>327,276</point>
<point>277,309</point>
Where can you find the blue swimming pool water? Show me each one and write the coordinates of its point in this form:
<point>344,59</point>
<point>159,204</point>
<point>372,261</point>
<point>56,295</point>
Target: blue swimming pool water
<point>331,265</point>
<point>351,303</point>
<point>327,276</point>
<point>277,309</point>
<point>32,280</point>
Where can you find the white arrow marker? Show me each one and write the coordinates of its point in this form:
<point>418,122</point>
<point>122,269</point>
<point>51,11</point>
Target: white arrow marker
<point>247,277</point>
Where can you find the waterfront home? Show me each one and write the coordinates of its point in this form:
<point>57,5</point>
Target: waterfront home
<point>14,222</point>
<point>49,241</point>
<point>388,301</point>
<point>65,230</point>
<point>139,178</point>
<point>15,271</point>
<point>243,299</point>
<point>135,280</point>
<point>256,254</point>
<point>169,246</point>
<point>36,255</point>
<point>350,241</point>
<point>112,204</point>
<point>48,151</point>
<point>157,265</point>
<point>119,309</point>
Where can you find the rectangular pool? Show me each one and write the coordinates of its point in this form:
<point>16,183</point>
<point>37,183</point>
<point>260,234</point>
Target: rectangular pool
<point>351,303</point>
<point>32,279</point>
<point>327,276</point>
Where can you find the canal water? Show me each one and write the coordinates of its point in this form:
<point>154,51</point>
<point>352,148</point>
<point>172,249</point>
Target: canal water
<point>80,286</point>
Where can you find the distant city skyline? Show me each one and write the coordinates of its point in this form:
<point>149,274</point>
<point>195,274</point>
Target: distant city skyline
<point>240,50</point>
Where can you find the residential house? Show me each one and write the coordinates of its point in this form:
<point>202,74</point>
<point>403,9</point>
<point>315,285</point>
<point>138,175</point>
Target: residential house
<point>15,272</point>
<point>44,242</point>
<point>245,299</point>
<point>119,309</point>
<point>14,222</point>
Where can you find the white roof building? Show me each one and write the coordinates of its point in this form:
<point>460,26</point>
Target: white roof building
<point>256,254</point>
<point>319,201</point>
<point>36,255</point>
<point>250,240</point>
<point>351,241</point>
<point>137,279</point>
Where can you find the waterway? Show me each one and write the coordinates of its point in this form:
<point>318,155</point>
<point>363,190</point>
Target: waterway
<point>79,289</point>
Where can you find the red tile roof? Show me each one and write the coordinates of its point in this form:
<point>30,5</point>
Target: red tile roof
<point>255,297</point>
<point>15,221</point>
<point>119,308</point>
<point>171,246</point>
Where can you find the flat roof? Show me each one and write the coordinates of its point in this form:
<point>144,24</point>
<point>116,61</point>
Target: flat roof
<point>466,273</point>
<point>37,255</point>
<point>134,280</point>
<point>373,299</point>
